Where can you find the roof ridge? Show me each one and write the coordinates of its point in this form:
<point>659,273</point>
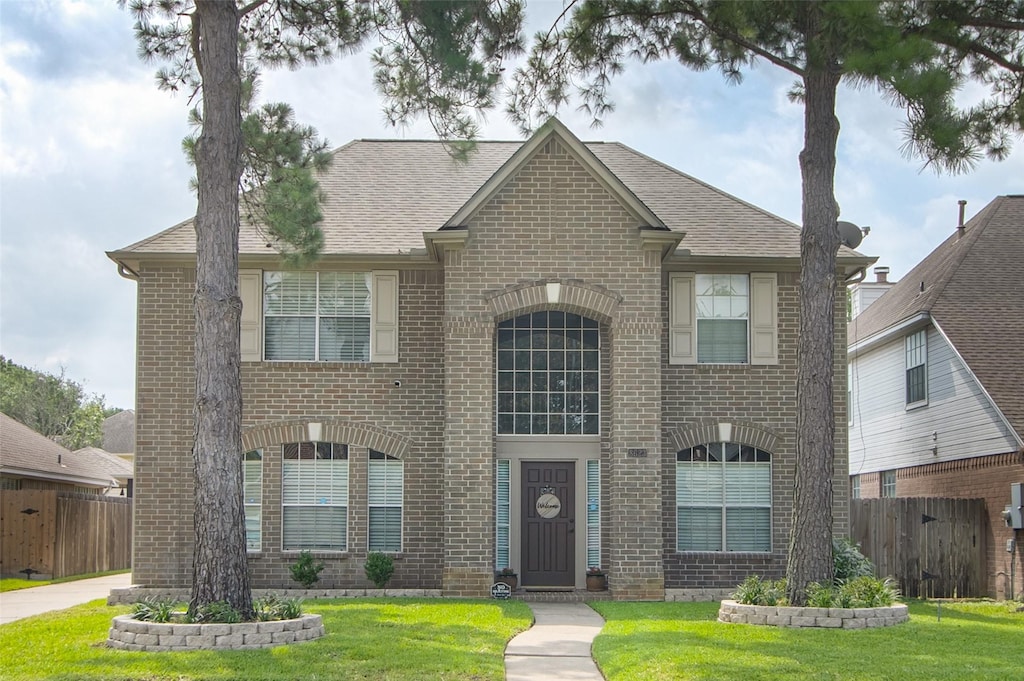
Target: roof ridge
<point>970,238</point>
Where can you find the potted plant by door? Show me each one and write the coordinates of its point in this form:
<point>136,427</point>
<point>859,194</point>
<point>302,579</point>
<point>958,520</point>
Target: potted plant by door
<point>597,580</point>
<point>508,576</point>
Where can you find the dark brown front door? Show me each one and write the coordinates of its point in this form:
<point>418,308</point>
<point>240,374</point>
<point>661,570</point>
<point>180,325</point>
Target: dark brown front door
<point>548,529</point>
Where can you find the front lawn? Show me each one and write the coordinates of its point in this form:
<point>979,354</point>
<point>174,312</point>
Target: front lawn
<point>683,642</point>
<point>392,639</point>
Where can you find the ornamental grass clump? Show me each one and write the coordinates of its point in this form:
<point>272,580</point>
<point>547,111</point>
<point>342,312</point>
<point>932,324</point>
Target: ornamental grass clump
<point>757,591</point>
<point>272,607</point>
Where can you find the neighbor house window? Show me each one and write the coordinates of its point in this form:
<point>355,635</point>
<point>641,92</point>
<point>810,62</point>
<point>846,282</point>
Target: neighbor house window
<point>10,483</point>
<point>386,481</point>
<point>549,375</point>
<point>917,367</point>
<point>889,484</point>
<point>723,498</point>
<point>723,304</point>
<point>317,316</point>
<point>314,496</point>
<point>855,487</point>
<point>252,481</point>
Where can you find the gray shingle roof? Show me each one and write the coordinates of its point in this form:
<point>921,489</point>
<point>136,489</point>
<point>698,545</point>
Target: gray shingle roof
<point>23,451</point>
<point>100,460</point>
<point>380,196</point>
<point>971,285</point>
<point>119,432</point>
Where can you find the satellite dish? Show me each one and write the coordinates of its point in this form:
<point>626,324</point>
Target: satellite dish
<point>849,234</point>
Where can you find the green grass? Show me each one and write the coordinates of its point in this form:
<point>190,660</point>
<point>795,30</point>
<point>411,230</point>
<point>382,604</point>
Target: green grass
<point>684,642</point>
<point>14,583</point>
<point>394,639</point>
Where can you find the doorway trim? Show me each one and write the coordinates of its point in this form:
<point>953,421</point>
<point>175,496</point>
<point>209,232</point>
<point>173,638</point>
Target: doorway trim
<point>572,449</point>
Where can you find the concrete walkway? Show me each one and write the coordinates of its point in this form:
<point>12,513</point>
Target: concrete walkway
<point>15,605</point>
<point>557,646</point>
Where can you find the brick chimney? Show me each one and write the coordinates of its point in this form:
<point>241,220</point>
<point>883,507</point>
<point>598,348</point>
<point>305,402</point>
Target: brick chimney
<point>881,275</point>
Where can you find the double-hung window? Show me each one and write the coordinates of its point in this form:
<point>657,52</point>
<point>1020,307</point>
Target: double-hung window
<point>385,494</point>
<point>314,496</point>
<point>888,484</point>
<point>313,316</point>
<point>723,318</point>
<point>317,316</point>
<point>917,368</point>
<point>252,481</point>
<point>723,498</point>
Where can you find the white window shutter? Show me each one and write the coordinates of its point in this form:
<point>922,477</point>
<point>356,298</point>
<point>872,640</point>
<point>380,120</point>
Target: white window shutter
<point>682,336</point>
<point>250,289</point>
<point>384,330</point>
<point>764,318</point>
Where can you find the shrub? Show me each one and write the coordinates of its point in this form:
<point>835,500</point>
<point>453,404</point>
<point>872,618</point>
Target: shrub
<point>848,562</point>
<point>305,571</point>
<point>755,591</point>
<point>273,607</point>
<point>859,592</point>
<point>219,612</point>
<point>379,567</point>
<point>155,610</point>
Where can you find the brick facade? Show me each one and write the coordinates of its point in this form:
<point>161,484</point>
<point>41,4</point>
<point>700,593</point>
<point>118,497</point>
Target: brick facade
<point>552,237</point>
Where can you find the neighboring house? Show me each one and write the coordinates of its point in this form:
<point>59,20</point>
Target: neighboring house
<point>937,371</point>
<point>557,355</point>
<point>119,434</point>
<point>119,470</point>
<point>30,460</point>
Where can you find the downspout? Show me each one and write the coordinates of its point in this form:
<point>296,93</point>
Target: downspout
<point>860,273</point>
<point>126,272</point>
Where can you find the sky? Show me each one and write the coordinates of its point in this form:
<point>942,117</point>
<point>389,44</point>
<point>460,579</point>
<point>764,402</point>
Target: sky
<point>91,161</point>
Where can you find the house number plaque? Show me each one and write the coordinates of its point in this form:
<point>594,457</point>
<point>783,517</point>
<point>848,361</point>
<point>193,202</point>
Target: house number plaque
<point>636,453</point>
<point>548,506</point>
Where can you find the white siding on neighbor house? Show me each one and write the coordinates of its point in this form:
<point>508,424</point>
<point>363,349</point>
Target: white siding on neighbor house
<point>885,435</point>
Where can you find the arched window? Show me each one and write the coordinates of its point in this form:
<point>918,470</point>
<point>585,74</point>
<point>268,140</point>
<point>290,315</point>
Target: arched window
<point>723,498</point>
<point>549,375</point>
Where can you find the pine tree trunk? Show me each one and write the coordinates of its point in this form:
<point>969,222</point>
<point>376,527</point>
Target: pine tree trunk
<point>810,544</point>
<point>220,567</point>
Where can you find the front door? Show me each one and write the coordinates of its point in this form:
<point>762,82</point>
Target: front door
<point>548,526</point>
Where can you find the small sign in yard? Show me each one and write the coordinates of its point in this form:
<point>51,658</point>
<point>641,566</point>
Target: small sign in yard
<point>501,590</point>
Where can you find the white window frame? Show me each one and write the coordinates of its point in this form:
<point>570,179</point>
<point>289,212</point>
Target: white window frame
<point>502,514</point>
<point>916,355</point>
<point>385,490</point>
<point>382,308</point>
<point>315,483</point>
<point>252,483</point>
<point>855,487</point>
<point>762,318</point>
<point>887,484</point>
<point>717,494</point>
<point>593,513</point>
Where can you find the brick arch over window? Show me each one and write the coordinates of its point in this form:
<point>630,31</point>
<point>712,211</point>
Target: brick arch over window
<point>327,430</point>
<point>713,430</point>
<point>568,295</point>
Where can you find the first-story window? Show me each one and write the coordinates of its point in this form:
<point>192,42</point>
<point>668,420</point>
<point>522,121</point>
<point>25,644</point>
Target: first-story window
<point>502,513</point>
<point>386,479</point>
<point>314,496</point>
<point>252,484</point>
<point>855,487</point>
<point>888,484</point>
<point>723,498</point>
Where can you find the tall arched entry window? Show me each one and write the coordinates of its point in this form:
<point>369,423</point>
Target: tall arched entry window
<point>549,375</point>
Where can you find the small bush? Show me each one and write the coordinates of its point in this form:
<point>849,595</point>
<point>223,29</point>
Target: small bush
<point>848,562</point>
<point>379,567</point>
<point>305,570</point>
<point>219,612</point>
<point>155,610</point>
<point>272,608</point>
<point>859,592</point>
<point>755,591</point>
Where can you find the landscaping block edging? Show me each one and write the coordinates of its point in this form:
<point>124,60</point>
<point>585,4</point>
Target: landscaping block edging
<point>127,633</point>
<point>823,618</point>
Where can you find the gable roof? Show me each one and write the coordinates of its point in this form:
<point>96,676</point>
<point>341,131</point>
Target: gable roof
<point>119,432</point>
<point>26,453</point>
<point>112,465</point>
<point>381,196</point>
<point>970,287</point>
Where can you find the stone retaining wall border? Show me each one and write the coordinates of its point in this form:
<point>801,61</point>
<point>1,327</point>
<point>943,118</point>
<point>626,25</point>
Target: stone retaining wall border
<point>127,633</point>
<point>823,618</point>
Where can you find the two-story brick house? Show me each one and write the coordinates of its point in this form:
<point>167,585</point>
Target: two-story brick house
<point>557,355</point>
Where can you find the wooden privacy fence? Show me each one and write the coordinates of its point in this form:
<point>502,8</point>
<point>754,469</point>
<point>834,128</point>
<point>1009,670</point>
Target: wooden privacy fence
<point>64,533</point>
<point>934,548</point>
